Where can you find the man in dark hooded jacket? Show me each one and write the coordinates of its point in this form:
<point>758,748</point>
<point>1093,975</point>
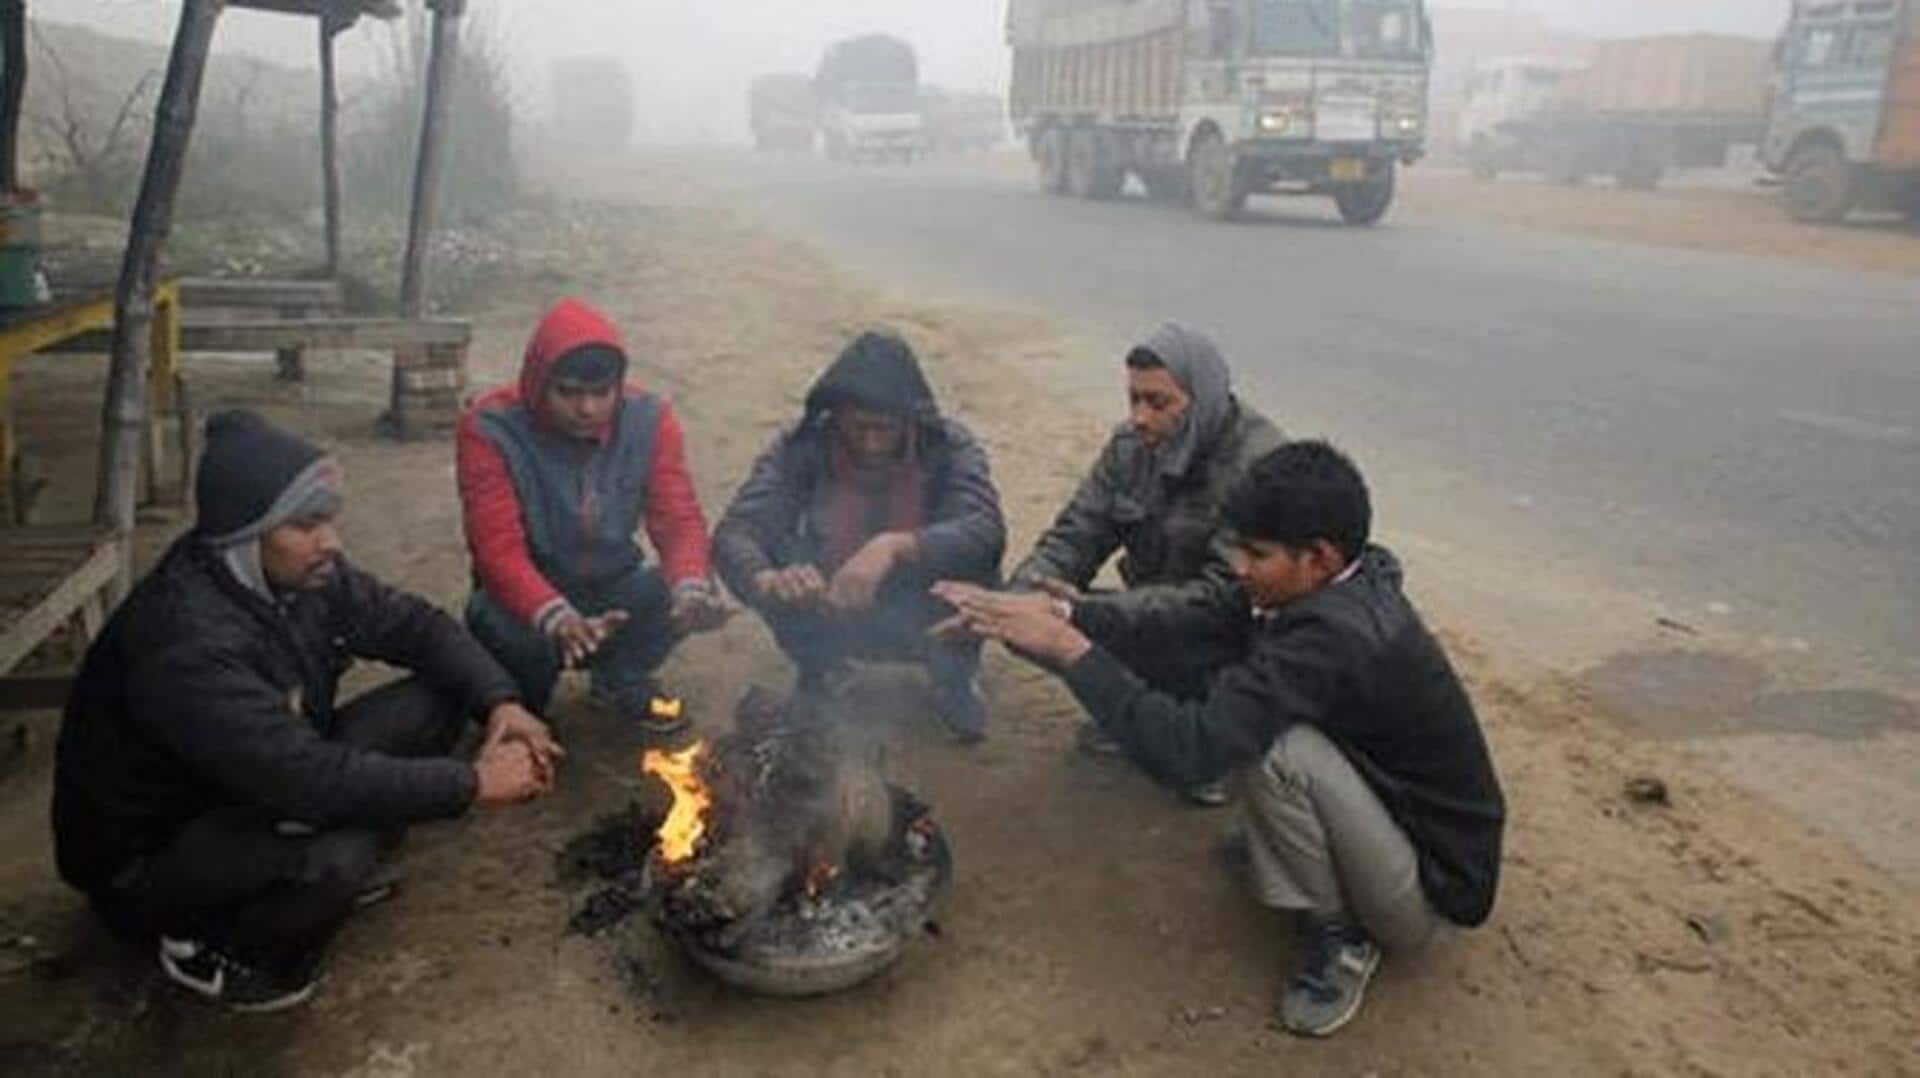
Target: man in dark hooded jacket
<point>207,788</point>
<point>850,515</point>
<point>558,472</point>
<point>1154,496</point>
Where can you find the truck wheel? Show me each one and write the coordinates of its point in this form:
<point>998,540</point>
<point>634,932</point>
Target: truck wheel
<point>1053,161</point>
<point>1218,190</point>
<point>1820,187</point>
<point>1364,203</point>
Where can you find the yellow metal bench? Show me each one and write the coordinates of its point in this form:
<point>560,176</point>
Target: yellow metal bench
<point>25,332</point>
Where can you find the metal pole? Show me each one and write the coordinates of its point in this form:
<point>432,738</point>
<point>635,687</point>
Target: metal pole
<point>330,142</point>
<point>13,28</point>
<point>426,175</point>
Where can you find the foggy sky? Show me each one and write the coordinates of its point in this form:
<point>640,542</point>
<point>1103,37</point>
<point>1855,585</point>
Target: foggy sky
<point>690,59</point>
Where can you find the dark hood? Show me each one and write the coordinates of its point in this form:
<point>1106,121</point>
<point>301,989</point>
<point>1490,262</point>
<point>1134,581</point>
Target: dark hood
<point>877,372</point>
<point>1196,363</point>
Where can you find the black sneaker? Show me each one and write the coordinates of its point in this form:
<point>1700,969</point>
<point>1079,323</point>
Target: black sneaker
<point>1336,961</point>
<point>962,710</point>
<point>380,887</point>
<point>1093,741</point>
<point>1207,795</point>
<point>227,981</point>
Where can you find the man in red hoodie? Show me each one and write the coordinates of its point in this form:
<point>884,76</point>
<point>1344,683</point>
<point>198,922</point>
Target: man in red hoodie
<point>557,474</point>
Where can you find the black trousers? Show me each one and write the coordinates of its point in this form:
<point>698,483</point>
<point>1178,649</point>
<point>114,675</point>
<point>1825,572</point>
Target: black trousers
<point>243,879</point>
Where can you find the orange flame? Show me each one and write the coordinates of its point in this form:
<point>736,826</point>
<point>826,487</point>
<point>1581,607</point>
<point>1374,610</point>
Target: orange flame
<point>686,822</point>
<point>822,873</point>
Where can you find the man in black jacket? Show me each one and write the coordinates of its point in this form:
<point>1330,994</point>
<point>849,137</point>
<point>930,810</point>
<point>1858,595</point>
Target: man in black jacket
<point>1371,804</point>
<point>1153,496</point>
<point>208,791</point>
<point>853,513</point>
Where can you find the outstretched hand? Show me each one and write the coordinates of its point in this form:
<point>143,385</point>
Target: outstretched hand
<point>1031,625</point>
<point>698,609</point>
<point>581,638</point>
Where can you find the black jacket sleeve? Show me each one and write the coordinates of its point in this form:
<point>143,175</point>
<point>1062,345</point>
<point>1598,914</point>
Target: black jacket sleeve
<point>391,626</point>
<point>967,535</point>
<point>1287,678</point>
<point>1083,536</point>
<point>210,705</point>
<point>767,507</point>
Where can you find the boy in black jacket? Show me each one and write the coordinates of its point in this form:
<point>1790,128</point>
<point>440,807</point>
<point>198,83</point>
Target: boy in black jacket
<point>207,790</point>
<point>1372,808</point>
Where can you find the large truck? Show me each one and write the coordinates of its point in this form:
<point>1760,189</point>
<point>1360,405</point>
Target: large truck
<point>1637,109</point>
<point>960,122</point>
<point>1845,125</point>
<point>868,88</point>
<point>781,112</point>
<point>1217,100</point>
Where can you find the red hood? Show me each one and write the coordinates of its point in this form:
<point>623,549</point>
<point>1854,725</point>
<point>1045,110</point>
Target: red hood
<point>569,325</point>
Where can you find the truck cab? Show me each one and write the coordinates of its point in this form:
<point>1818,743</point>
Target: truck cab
<point>1503,96</point>
<point>875,121</point>
<point>1844,126</point>
<point>1322,96</point>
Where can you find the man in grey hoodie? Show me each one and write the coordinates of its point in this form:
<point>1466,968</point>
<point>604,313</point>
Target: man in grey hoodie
<point>1154,496</point>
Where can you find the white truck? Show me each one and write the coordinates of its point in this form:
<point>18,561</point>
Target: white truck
<point>868,89</point>
<point>1217,100</point>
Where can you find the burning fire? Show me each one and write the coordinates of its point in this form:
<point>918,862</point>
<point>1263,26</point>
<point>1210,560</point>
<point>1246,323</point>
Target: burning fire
<point>822,873</point>
<point>686,822</point>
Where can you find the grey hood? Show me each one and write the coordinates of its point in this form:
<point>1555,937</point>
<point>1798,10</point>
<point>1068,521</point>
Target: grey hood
<point>1196,363</point>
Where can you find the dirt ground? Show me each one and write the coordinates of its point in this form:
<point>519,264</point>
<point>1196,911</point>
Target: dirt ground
<point>1090,929</point>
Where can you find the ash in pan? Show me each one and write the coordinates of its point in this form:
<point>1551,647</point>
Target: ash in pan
<point>810,870</point>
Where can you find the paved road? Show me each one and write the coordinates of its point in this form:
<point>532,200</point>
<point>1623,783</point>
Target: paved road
<point>1575,438</point>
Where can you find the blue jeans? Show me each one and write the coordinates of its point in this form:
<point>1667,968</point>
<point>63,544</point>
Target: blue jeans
<point>622,669</point>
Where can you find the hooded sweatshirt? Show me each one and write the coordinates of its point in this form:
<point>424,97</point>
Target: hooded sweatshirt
<point>548,514</point>
<point>1160,507</point>
<point>791,509</point>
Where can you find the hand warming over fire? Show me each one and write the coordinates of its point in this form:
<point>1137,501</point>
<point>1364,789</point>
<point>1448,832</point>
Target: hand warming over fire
<point>697,608</point>
<point>858,581</point>
<point>794,585</point>
<point>509,773</point>
<point>580,638</point>
<point>509,722</point>
<point>1028,624</point>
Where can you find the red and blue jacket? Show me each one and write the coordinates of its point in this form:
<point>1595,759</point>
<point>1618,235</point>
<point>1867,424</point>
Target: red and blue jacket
<point>547,514</point>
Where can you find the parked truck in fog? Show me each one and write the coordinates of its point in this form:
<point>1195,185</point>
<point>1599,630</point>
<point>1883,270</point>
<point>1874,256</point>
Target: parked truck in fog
<point>1639,108</point>
<point>781,112</point>
<point>1845,124</point>
<point>869,93</point>
<point>1217,100</point>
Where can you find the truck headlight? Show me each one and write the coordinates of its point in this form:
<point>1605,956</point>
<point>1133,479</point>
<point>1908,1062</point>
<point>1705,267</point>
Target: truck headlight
<point>1406,124</point>
<point>1296,122</point>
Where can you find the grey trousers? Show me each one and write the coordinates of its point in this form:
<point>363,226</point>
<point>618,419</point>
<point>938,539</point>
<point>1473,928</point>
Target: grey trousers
<point>1320,841</point>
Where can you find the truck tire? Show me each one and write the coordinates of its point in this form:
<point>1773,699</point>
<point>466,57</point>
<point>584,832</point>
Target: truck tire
<point>1089,172</point>
<point>1052,157</point>
<point>1820,185</point>
<point>1364,203</point>
<point>1219,190</point>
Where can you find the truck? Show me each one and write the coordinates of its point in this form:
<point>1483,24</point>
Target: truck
<point>959,122</point>
<point>1637,109</point>
<point>1212,101</point>
<point>781,112</point>
<point>1844,131</point>
<point>868,88</point>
